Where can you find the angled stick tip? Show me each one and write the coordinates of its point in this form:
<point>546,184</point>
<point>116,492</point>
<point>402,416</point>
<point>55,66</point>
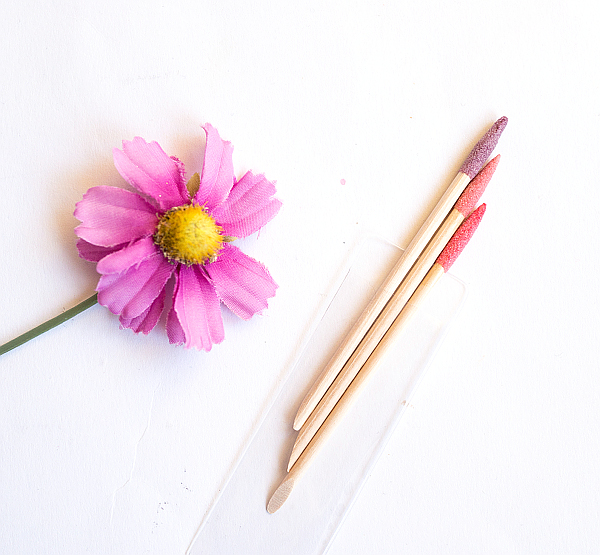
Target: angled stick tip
<point>281,494</point>
<point>298,422</point>
<point>303,412</point>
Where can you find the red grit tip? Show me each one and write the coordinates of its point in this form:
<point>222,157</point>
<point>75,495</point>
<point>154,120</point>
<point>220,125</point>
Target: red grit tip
<point>460,239</point>
<point>470,197</point>
<point>483,148</point>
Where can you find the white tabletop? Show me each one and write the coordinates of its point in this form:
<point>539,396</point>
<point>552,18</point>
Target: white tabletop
<point>362,112</point>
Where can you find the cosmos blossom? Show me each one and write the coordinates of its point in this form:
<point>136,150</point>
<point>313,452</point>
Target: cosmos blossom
<point>174,238</point>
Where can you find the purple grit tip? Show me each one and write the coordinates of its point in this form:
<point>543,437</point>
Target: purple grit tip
<point>480,153</point>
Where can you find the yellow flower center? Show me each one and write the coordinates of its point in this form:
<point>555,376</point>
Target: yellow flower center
<point>188,234</point>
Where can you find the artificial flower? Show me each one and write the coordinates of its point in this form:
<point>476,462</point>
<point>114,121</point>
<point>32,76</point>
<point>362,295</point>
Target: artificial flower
<point>176,237</point>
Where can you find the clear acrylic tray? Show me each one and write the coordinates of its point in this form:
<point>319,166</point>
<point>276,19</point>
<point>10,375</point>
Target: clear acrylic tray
<point>238,522</point>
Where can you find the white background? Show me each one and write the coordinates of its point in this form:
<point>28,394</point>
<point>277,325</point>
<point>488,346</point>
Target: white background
<point>362,112</point>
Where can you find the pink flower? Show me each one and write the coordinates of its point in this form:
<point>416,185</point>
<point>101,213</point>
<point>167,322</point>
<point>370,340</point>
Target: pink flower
<point>179,232</point>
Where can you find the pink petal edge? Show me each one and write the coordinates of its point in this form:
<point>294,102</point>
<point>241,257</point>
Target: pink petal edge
<point>126,257</point>
<point>241,282</point>
<point>147,320</point>
<point>151,171</point>
<point>174,329</point>
<point>110,216</point>
<point>197,310</point>
<point>249,206</point>
<point>94,253</point>
<point>131,292</point>
<point>217,172</point>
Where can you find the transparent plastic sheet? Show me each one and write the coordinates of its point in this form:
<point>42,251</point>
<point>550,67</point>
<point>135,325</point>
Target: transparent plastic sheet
<point>238,521</point>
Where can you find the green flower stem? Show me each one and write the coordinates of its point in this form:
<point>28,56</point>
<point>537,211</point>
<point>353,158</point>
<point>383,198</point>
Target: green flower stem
<point>57,320</point>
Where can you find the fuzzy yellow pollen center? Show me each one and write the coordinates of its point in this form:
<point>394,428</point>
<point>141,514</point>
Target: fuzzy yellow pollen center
<point>189,235</point>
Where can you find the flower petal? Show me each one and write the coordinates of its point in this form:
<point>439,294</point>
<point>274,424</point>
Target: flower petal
<point>242,283</point>
<point>151,171</point>
<point>174,329</point>
<point>126,257</point>
<point>248,207</point>
<point>217,172</point>
<point>110,216</point>
<point>94,253</point>
<point>197,310</point>
<point>131,292</point>
<point>147,320</point>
